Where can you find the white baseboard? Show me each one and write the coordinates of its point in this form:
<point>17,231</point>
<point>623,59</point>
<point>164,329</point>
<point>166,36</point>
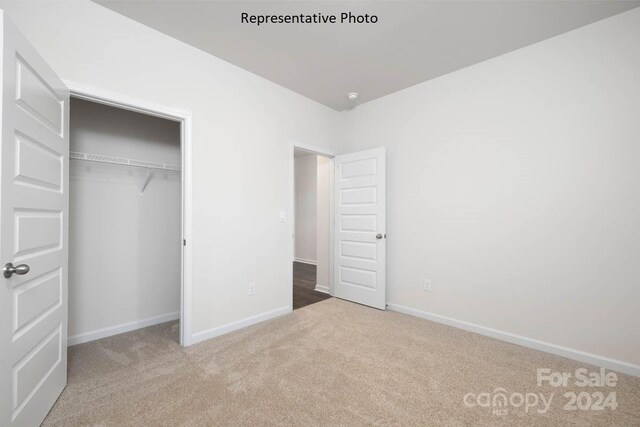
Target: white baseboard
<point>580,356</point>
<point>321,288</point>
<point>239,324</point>
<point>305,261</point>
<point>120,329</point>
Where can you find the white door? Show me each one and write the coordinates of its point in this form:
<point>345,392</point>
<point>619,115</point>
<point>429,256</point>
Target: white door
<point>360,229</point>
<point>33,233</point>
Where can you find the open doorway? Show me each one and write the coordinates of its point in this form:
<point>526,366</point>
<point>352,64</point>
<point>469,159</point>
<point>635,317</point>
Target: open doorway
<point>312,228</point>
<point>125,222</point>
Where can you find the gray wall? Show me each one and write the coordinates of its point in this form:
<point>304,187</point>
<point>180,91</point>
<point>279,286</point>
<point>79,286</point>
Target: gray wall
<point>305,177</point>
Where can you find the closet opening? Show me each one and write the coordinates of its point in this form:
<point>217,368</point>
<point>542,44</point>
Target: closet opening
<point>312,227</point>
<point>126,233</point>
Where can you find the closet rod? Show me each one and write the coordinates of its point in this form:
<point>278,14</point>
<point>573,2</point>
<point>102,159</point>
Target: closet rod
<point>121,161</point>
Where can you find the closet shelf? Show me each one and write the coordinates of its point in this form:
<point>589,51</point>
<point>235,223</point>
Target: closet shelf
<point>121,161</point>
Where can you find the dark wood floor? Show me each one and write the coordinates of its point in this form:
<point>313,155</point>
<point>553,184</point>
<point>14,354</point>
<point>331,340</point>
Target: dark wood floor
<point>304,285</point>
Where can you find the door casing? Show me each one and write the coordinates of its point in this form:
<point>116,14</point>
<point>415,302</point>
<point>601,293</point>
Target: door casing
<point>116,100</point>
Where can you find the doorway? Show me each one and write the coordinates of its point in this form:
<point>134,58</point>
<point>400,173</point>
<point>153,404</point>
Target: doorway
<point>125,212</point>
<point>312,228</point>
<point>183,120</point>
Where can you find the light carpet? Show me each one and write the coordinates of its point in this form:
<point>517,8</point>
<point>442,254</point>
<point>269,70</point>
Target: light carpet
<point>331,363</point>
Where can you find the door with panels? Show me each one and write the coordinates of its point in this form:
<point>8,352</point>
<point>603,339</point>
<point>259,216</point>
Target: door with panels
<point>33,233</point>
<point>360,227</point>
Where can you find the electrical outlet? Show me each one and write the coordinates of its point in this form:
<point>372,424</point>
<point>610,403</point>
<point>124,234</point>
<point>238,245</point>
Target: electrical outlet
<point>426,285</point>
<point>252,288</point>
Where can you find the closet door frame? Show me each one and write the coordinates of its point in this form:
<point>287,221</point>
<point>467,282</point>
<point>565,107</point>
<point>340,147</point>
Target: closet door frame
<point>101,96</point>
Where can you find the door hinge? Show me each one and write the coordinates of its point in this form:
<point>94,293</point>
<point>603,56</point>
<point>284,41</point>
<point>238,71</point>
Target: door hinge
<point>184,242</point>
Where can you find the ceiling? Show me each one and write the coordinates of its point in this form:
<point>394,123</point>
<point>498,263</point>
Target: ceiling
<point>412,41</point>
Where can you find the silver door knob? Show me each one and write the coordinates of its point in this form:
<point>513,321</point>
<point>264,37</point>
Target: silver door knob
<point>378,236</point>
<point>20,270</point>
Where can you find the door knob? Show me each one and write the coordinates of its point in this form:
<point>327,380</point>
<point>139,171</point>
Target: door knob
<point>20,270</point>
<point>378,236</point>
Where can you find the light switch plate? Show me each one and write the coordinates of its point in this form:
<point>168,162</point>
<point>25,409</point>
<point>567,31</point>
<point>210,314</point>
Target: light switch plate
<point>283,216</point>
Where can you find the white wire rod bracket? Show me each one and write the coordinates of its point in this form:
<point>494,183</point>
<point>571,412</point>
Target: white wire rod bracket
<point>98,158</point>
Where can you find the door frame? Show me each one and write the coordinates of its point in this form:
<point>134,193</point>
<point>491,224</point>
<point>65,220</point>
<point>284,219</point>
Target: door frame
<point>125,102</point>
<point>292,198</point>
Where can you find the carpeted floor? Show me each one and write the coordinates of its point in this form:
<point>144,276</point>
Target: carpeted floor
<point>331,363</point>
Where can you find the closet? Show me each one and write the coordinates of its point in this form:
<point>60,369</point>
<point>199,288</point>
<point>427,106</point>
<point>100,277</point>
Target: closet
<point>124,221</point>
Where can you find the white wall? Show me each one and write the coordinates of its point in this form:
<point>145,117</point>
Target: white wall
<point>243,126</point>
<point>323,223</point>
<point>514,186</point>
<point>124,248</point>
<point>305,183</point>
<point>512,183</point>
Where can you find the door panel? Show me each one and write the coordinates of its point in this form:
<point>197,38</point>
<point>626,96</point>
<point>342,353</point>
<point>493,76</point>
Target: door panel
<point>360,217</point>
<point>35,96</point>
<point>33,231</point>
<point>37,165</point>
